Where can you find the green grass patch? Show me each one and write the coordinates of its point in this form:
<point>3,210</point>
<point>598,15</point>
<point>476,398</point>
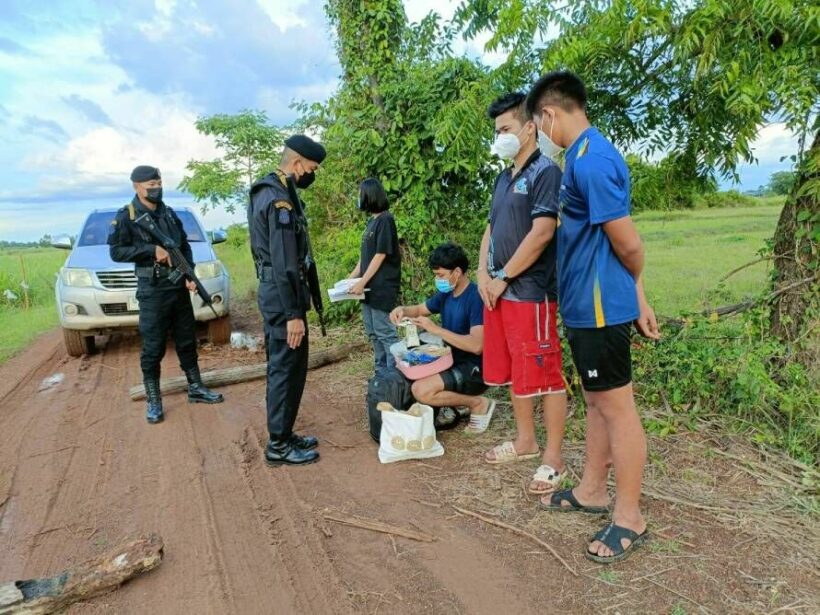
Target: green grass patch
<point>19,327</point>
<point>688,252</point>
<point>30,274</point>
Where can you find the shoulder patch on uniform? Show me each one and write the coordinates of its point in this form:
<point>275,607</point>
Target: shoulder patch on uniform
<point>132,213</point>
<point>283,205</point>
<point>284,216</point>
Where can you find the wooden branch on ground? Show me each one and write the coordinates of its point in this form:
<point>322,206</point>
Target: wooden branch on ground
<point>233,375</point>
<point>520,532</point>
<point>378,526</point>
<point>736,308</point>
<point>92,578</point>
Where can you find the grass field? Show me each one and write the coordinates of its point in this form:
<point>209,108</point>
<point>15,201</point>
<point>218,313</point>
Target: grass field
<point>687,253</point>
<point>18,326</point>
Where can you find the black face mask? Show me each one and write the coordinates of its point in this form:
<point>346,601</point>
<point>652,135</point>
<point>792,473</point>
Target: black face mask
<point>154,195</point>
<point>306,180</point>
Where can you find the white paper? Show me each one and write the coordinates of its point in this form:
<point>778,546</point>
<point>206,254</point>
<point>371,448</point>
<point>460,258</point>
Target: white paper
<point>341,291</point>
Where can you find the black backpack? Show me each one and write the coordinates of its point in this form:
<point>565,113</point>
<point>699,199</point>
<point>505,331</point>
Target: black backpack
<point>394,389</point>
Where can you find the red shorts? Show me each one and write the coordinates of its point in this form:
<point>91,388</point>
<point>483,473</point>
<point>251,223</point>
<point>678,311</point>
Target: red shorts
<point>521,347</point>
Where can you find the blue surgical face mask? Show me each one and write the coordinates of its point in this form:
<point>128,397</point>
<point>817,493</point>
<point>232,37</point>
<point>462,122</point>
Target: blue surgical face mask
<point>443,286</point>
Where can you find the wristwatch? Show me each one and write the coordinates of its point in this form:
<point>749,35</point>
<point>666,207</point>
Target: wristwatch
<point>501,274</point>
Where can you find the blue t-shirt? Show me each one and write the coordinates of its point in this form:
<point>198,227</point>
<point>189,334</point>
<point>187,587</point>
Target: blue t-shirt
<point>594,288</point>
<point>459,315</point>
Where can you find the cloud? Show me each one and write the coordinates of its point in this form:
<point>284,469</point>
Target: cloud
<point>98,162</point>
<point>46,129</point>
<point>88,109</point>
<point>223,67</point>
<point>13,48</point>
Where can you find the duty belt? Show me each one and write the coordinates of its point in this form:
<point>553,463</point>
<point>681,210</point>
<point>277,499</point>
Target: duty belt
<point>150,272</point>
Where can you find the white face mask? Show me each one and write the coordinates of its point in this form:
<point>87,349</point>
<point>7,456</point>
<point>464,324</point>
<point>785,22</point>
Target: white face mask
<point>507,145</point>
<point>545,143</point>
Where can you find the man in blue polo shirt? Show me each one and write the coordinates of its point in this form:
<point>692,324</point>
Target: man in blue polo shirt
<point>600,260</point>
<point>462,327</point>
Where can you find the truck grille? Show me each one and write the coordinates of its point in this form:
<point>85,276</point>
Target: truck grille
<point>117,280</point>
<point>117,309</point>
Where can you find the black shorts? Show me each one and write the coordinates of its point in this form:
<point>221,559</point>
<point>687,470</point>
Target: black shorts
<point>602,356</point>
<point>464,378</point>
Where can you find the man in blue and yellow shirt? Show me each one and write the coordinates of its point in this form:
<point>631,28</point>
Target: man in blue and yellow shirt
<point>600,260</point>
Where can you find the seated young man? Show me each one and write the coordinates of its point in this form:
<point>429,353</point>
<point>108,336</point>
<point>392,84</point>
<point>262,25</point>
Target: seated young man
<point>462,328</point>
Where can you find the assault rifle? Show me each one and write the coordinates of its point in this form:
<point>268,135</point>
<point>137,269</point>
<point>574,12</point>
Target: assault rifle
<point>181,269</point>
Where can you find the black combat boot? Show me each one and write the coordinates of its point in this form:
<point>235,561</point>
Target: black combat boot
<point>198,393</point>
<point>285,452</point>
<point>154,412</point>
<point>306,443</point>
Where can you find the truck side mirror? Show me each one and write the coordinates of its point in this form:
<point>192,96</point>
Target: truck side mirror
<point>62,241</point>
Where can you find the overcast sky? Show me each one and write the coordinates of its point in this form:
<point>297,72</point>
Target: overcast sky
<point>91,88</point>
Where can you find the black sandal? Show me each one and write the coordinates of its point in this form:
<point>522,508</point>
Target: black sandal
<point>558,498</point>
<point>446,418</point>
<point>611,536</point>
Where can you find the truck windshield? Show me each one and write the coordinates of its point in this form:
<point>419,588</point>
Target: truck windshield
<point>95,231</point>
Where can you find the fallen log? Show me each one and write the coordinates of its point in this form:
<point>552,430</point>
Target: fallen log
<point>92,578</point>
<point>233,375</point>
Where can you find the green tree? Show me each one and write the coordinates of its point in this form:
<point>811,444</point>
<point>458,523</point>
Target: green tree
<point>781,182</point>
<point>250,148</point>
<point>410,113</point>
<point>695,78</point>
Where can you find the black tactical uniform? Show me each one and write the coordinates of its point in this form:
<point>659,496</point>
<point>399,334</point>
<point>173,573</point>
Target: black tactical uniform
<point>164,305</point>
<point>281,252</point>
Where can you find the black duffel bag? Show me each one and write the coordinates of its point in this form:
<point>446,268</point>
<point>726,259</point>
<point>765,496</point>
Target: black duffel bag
<point>395,389</point>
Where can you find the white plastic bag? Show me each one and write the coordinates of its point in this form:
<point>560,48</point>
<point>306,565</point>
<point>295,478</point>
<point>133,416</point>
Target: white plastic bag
<point>405,436</point>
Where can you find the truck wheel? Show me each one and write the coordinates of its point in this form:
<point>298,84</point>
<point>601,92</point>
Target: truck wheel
<point>219,330</point>
<point>77,343</point>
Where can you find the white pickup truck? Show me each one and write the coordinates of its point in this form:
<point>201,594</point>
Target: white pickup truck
<point>97,296</point>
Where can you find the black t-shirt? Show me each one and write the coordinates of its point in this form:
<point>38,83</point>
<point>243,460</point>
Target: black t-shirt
<point>517,201</point>
<point>380,237</point>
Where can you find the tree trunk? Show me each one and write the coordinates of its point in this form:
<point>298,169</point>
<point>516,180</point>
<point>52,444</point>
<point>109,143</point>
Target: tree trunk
<point>795,312</point>
<point>83,582</point>
<point>244,373</point>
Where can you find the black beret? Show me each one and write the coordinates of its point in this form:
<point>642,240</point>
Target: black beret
<point>306,147</point>
<point>144,173</point>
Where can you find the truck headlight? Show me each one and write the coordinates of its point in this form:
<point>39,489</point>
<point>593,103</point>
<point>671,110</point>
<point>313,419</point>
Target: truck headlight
<point>77,277</point>
<point>208,270</point>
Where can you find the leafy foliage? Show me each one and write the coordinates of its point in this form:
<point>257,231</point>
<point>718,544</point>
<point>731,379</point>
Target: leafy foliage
<point>781,182</point>
<point>697,78</point>
<point>414,116</point>
<point>250,149</point>
<point>736,371</point>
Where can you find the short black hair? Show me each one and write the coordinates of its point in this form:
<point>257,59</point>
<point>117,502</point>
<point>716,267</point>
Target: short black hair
<point>373,197</point>
<point>561,88</point>
<point>449,256</point>
<point>512,100</point>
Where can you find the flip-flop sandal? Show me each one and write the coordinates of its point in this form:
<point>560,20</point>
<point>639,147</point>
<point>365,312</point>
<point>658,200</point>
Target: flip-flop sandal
<point>505,453</point>
<point>480,422</point>
<point>557,504</point>
<point>549,475</point>
<point>446,418</point>
<point>611,536</point>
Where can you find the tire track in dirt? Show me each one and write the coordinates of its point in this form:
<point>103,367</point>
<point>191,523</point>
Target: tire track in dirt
<point>317,585</point>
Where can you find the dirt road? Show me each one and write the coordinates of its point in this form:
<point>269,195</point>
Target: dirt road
<point>80,470</point>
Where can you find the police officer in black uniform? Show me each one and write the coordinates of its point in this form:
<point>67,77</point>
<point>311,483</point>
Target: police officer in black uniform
<point>164,305</point>
<point>281,252</point>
